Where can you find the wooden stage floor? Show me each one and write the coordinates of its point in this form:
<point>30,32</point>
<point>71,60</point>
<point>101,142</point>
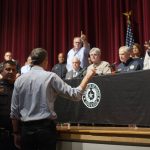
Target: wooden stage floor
<point>110,135</point>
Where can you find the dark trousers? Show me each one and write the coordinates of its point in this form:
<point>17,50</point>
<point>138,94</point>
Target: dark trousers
<point>6,140</point>
<point>39,135</point>
<point>6,136</point>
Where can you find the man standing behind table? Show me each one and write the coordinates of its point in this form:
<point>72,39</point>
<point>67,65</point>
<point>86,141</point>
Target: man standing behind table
<point>80,49</point>
<point>147,56</point>
<point>33,103</point>
<point>60,68</point>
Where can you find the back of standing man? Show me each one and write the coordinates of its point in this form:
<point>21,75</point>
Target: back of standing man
<point>33,103</point>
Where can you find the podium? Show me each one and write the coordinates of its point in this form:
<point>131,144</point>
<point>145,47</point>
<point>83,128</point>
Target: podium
<point>124,99</point>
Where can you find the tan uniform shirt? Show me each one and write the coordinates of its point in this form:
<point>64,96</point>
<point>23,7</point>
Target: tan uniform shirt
<point>102,68</point>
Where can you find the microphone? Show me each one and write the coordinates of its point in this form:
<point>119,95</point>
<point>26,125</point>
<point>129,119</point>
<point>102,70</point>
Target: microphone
<point>113,65</point>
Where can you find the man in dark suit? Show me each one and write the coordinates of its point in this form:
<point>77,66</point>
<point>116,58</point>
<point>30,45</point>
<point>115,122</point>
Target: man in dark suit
<point>76,72</point>
<point>127,64</point>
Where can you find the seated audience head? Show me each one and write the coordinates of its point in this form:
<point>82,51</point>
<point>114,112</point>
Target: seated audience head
<point>8,56</point>
<point>77,43</point>
<point>147,45</point>
<point>61,58</point>
<point>39,57</point>
<point>124,53</point>
<point>95,55</point>
<point>27,67</point>
<point>29,60</point>
<point>75,63</point>
<point>136,50</point>
<point>9,71</point>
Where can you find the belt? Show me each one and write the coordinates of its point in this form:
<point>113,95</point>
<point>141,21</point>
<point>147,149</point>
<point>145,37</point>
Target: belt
<point>38,122</point>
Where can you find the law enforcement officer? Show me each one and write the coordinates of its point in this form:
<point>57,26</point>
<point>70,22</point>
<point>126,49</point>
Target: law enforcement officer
<point>7,78</point>
<point>128,64</point>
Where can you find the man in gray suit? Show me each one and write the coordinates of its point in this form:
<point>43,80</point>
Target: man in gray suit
<point>76,72</point>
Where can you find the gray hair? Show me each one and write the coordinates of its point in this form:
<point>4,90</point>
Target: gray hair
<point>125,49</point>
<point>76,58</point>
<point>38,55</point>
<point>96,50</point>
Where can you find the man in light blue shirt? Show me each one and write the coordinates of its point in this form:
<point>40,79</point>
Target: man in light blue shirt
<point>27,67</point>
<point>33,103</point>
<point>81,50</point>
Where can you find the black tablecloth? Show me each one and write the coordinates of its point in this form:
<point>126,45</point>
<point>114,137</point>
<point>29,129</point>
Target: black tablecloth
<point>125,99</point>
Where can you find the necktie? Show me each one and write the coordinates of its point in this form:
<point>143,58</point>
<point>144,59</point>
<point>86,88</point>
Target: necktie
<point>74,74</point>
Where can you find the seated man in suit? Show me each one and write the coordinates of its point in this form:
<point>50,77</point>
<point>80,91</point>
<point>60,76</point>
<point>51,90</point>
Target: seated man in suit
<point>76,72</point>
<point>128,64</point>
<point>102,67</point>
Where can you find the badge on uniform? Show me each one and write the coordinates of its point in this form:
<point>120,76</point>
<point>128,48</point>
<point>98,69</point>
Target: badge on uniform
<point>2,89</point>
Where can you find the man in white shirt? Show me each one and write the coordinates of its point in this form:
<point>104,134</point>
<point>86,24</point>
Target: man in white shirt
<point>80,49</point>
<point>27,67</point>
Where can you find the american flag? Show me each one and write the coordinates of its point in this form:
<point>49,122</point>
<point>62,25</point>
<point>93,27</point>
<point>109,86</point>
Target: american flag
<point>129,36</point>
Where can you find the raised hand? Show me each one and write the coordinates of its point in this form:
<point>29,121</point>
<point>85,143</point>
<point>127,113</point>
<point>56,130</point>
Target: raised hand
<point>83,37</point>
<point>147,44</point>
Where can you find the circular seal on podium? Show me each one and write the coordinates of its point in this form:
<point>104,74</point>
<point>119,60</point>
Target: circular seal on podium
<point>91,96</point>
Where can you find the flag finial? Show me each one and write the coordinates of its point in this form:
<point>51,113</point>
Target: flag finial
<point>129,33</point>
<point>128,14</point>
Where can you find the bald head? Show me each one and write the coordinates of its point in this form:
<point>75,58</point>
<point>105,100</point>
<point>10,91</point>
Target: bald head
<point>8,56</point>
<point>61,58</point>
<point>75,63</point>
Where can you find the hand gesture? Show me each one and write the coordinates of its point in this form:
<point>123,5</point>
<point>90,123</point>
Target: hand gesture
<point>91,72</point>
<point>83,37</point>
<point>147,45</point>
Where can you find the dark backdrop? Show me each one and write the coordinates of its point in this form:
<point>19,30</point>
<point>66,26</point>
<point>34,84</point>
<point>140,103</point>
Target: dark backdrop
<point>52,24</point>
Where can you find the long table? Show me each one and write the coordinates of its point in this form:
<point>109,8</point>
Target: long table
<point>122,99</point>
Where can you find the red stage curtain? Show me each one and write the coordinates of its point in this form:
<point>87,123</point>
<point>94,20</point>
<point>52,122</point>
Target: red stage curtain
<point>52,24</point>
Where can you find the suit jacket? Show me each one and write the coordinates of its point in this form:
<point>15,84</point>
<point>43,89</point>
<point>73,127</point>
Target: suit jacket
<point>69,74</point>
<point>60,70</point>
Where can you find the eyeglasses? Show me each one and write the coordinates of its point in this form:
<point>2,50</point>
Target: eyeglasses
<point>77,42</point>
<point>94,54</point>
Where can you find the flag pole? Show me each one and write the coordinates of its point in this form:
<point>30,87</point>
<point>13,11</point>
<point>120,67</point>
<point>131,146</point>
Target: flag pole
<point>129,35</point>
